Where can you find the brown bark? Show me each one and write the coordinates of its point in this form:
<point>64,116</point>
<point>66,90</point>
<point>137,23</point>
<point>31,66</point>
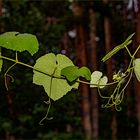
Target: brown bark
<point>136,83</point>
<point>110,72</point>
<point>1,7</point>
<point>9,137</point>
<point>138,28</point>
<point>114,126</point>
<point>77,9</point>
<point>65,44</point>
<point>82,61</point>
<point>93,65</point>
<point>108,48</point>
<point>84,90</point>
<point>108,44</point>
<point>129,90</point>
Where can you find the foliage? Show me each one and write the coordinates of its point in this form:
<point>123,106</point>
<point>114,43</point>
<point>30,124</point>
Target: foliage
<point>57,72</point>
<point>118,48</point>
<point>72,73</point>
<point>29,16</point>
<point>52,65</point>
<point>56,136</point>
<point>97,80</point>
<point>21,43</point>
<point>136,65</point>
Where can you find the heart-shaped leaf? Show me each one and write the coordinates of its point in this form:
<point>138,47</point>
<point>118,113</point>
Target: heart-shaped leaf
<point>19,42</point>
<point>84,72</point>
<point>97,80</point>
<point>136,64</point>
<point>52,65</point>
<point>70,73</point>
<point>73,72</point>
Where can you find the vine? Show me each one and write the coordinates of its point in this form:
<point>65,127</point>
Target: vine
<point>58,75</point>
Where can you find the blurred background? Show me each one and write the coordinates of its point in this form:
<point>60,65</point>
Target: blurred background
<point>83,30</point>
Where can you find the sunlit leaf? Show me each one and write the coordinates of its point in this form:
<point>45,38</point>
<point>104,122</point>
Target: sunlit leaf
<point>73,72</point>
<point>70,73</point>
<point>19,42</point>
<point>97,80</point>
<point>117,48</point>
<point>136,65</point>
<point>52,65</point>
<point>84,72</point>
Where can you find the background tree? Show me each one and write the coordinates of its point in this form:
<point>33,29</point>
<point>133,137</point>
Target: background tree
<point>85,32</point>
<point>93,65</point>
<point>137,85</point>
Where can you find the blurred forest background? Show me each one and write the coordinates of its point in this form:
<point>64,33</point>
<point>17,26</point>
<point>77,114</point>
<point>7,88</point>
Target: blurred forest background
<point>84,30</point>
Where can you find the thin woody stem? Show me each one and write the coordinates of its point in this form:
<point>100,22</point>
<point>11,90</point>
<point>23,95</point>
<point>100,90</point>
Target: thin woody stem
<point>61,77</point>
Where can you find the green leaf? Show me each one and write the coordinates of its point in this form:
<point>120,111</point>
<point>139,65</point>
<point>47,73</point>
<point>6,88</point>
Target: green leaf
<point>1,61</point>
<point>84,72</point>
<point>136,64</point>
<point>53,64</point>
<point>117,48</point>
<point>70,73</point>
<point>19,42</point>
<point>73,72</point>
<point>97,79</point>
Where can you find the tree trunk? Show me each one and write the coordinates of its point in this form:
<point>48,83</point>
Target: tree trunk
<point>108,48</point>
<point>93,66</point>
<point>129,90</point>
<point>110,72</point>
<point>1,7</point>
<point>84,90</point>
<point>65,44</point>
<point>136,83</point>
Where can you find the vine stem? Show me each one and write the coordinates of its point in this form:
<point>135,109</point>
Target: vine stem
<point>62,77</point>
<point>136,51</point>
<point>49,101</point>
<point>5,76</point>
<point>46,116</point>
<point>108,84</point>
<point>26,65</point>
<point>128,51</point>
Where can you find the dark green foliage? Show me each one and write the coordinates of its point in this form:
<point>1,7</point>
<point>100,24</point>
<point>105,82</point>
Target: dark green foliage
<point>28,107</point>
<point>27,98</point>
